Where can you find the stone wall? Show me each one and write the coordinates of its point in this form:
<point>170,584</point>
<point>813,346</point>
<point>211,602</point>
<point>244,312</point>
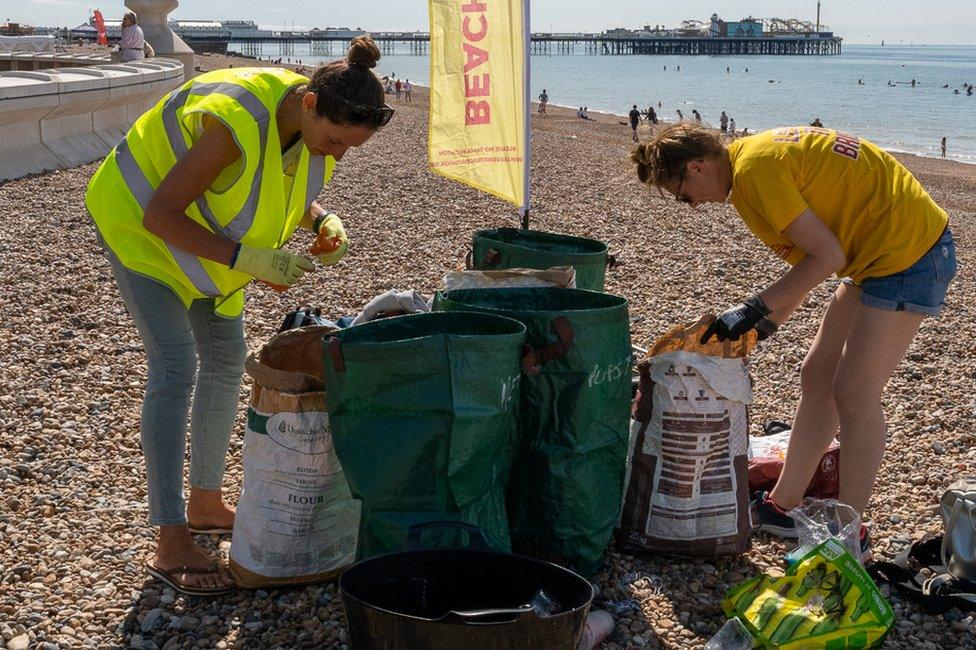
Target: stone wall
<point>61,118</point>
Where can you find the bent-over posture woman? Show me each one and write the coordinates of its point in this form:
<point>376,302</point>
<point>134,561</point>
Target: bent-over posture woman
<point>195,203</point>
<point>826,202</point>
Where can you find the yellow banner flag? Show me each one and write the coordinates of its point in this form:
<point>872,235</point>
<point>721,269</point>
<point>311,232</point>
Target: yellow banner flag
<point>477,103</point>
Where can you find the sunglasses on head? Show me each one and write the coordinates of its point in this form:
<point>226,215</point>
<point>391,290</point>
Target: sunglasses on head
<point>363,114</point>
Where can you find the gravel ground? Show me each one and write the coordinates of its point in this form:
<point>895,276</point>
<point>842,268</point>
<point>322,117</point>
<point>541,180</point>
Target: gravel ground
<point>73,531</point>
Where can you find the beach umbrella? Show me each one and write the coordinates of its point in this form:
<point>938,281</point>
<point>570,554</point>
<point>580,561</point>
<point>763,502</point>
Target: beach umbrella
<point>479,96</point>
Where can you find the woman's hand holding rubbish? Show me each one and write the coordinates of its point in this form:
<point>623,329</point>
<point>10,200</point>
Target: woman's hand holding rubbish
<point>736,321</point>
<point>331,241</point>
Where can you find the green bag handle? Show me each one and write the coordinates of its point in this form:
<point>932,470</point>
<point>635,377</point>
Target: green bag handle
<point>532,358</point>
<point>335,351</point>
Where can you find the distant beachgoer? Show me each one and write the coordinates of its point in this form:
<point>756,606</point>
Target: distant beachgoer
<point>969,91</point>
<point>955,91</point>
<point>543,100</point>
<point>943,146</point>
<point>665,68</point>
<point>728,70</point>
<point>388,88</point>
<point>913,83</point>
<point>407,89</point>
<point>579,112</point>
<point>860,82</point>
<point>586,112</point>
<point>723,122</point>
<point>679,68</point>
<point>826,203</point>
<point>651,115</point>
<point>133,44</point>
<point>745,132</point>
<point>397,89</point>
<point>634,120</point>
<point>697,115</point>
<point>732,127</point>
<point>659,104</point>
<point>681,116</point>
<point>816,122</point>
<point>747,69</point>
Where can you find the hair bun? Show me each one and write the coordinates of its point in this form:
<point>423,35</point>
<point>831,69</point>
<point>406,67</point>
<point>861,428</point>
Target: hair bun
<point>363,52</point>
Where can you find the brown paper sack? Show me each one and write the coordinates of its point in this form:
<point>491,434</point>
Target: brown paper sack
<point>688,491</point>
<point>296,520</point>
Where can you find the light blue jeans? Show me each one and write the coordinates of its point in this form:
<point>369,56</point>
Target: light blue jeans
<point>174,337</point>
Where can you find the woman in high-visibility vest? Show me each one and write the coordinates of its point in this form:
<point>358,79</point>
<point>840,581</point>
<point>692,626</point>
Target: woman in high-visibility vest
<point>192,205</point>
<point>827,203</point>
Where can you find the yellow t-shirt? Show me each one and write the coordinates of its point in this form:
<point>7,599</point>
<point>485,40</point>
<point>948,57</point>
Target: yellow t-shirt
<point>878,211</point>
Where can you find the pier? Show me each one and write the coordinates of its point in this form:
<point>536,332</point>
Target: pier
<point>327,43</point>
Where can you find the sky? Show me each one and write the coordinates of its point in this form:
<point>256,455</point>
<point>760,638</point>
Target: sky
<point>947,22</point>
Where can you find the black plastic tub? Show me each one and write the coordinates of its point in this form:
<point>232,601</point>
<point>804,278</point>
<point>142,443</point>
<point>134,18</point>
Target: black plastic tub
<point>461,599</point>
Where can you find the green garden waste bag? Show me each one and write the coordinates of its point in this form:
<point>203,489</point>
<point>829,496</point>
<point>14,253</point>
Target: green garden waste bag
<point>509,248</point>
<point>568,475</point>
<point>423,410</point>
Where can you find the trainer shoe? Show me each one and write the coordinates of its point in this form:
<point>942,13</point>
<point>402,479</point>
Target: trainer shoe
<point>770,518</point>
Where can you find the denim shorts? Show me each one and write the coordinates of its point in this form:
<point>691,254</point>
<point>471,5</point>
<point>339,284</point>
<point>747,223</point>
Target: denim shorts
<point>921,288</point>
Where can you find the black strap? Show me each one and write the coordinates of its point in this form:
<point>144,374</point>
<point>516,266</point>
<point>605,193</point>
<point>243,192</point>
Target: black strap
<point>936,592</point>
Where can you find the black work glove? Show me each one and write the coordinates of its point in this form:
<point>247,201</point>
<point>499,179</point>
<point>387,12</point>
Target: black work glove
<point>733,323</point>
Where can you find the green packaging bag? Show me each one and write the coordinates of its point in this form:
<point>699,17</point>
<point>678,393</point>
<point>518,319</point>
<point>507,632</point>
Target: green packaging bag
<point>423,410</point>
<point>567,478</point>
<point>826,600</point>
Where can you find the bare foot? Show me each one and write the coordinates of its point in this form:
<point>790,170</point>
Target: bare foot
<point>207,509</point>
<point>176,548</point>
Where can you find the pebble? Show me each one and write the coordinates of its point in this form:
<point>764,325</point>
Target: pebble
<point>151,618</point>
<point>18,642</point>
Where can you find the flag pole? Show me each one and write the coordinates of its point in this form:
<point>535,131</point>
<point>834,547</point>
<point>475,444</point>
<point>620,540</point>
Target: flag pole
<point>527,130</point>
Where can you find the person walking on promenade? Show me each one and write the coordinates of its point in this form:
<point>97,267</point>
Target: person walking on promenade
<point>407,89</point>
<point>543,100</point>
<point>943,143</point>
<point>397,89</point>
<point>634,120</point>
<point>132,47</point>
<point>193,204</point>
<point>723,122</point>
<point>826,202</point>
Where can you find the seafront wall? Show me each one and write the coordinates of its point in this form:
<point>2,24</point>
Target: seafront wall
<point>65,117</point>
<point>47,60</point>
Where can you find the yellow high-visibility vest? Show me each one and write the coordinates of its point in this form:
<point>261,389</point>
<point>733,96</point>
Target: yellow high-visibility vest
<point>261,207</point>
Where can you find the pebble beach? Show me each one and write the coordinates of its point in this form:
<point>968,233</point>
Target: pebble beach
<point>73,516</point>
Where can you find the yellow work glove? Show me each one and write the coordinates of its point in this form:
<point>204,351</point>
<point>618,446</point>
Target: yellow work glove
<point>276,267</point>
<point>331,241</point>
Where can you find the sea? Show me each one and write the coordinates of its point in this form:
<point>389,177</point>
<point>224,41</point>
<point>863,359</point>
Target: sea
<point>867,90</point>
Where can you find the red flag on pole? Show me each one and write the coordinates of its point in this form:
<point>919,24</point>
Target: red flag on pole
<point>100,24</point>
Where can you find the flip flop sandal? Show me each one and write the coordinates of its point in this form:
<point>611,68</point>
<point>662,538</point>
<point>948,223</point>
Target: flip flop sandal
<point>209,531</point>
<point>169,577</point>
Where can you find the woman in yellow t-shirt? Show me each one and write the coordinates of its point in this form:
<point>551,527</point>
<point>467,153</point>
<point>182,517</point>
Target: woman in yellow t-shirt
<point>826,202</point>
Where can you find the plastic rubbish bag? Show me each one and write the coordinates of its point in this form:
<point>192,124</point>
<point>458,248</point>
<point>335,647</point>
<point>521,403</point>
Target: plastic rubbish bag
<point>818,520</point>
<point>825,600</point>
